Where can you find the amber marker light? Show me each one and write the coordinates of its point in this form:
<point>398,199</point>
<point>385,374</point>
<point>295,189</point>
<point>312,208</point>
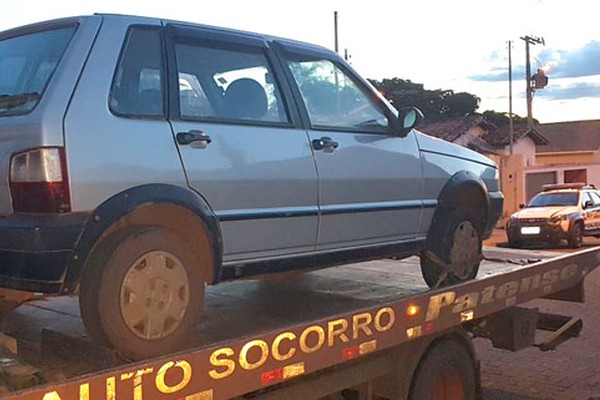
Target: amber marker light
<point>412,311</point>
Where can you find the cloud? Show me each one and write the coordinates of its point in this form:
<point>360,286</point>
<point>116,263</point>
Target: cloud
<point>563,64</point>
<point>500,75</point>
<point>574,91</point>
<point>573,63</point>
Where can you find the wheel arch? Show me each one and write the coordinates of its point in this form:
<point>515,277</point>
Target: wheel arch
<point>174,207</point>
<point>467,190</point>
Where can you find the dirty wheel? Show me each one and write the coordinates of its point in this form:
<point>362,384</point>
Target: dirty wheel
<point>575,238</point>
<point>142,293</point>
<point>446,372</point>
<point>454,251</point>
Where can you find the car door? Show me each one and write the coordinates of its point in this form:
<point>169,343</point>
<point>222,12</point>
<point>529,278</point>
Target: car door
<point>593,213</point>
<point>240,144</point>
<point>370,180</point>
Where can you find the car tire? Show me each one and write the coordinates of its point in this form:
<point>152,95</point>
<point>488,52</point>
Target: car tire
<point>453,252</point>
<point>447,371</point>
<point>513,242</point>
<point>575,236</point>
<point>142,293</point>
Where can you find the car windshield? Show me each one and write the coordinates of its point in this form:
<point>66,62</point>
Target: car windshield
<point>26,64</point>
<point>554,199</point>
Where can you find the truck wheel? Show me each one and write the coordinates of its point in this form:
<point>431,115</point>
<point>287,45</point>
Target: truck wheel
<point>575,237</point>
<point>447,372</point>
<point>454,250</point>
<point>142,293</point>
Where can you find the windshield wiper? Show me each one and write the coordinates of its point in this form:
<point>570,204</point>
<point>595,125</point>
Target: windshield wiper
<point>9,101</point>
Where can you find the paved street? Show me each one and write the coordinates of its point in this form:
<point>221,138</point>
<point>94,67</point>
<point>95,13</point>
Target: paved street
<point>571,372</point>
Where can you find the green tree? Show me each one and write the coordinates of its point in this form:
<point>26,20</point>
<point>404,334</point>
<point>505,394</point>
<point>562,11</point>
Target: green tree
<point>436,104</point>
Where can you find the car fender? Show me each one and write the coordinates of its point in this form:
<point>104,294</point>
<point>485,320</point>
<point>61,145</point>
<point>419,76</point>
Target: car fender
<point>120,205</point>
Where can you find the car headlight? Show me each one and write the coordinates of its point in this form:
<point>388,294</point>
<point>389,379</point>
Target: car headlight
<point>558,218</point>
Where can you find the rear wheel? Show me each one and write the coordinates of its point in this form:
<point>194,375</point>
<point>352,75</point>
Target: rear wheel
<point>575,237</point>
<point>142,292</point>
<point>447,372</point>
<point>454,250</point>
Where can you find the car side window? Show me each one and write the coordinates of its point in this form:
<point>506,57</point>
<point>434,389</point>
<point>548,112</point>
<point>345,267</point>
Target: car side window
<point>333,99</point>
<point>595,198</point>
<point>227,84</point>
<point>137,89</point>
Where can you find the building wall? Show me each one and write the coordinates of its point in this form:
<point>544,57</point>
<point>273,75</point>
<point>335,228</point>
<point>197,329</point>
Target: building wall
<point>575,157</point>
<point>512,179</point>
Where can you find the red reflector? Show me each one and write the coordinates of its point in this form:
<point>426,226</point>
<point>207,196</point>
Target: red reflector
<point>272,376</point>
<point>428,328</point>
<point>351,352</point>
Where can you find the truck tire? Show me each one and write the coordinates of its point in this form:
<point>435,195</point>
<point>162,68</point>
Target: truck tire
<point>575,236</point>
<point>142,293</point>
<point>453,252</point>
<point>446,372</point>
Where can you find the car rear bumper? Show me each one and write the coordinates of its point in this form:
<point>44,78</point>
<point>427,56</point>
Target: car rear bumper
<point>35,250</point>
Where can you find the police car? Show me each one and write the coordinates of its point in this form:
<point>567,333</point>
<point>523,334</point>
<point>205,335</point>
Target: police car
<point>560,212</point>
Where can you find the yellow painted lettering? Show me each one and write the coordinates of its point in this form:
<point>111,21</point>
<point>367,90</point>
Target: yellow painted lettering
<point>337,328</point>
<point>264,354</point>
<point>361,322</point>
<point>304,346</point>
<point>186,370</point>
<point>437,302</point>
<point>384,314</point>
<point>466,302</point>
<point>51,396</point>
<point>219,359</point>
<point>276,350</point>
<point>507,289</point>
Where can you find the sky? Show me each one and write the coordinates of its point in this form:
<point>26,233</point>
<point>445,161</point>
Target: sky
<point>459,45</point>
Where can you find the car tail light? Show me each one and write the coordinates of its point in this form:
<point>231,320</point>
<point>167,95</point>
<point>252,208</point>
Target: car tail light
<point>39,181</point>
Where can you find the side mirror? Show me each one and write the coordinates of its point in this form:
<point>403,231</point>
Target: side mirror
<point>521,205</point>
<point>588,204</point>
<point>408,118</point>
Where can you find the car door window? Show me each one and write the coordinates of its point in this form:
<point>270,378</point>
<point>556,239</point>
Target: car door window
<point>227,85</point>
<point>595,198</point>
<point>137,89</point>
<point>333,99</point>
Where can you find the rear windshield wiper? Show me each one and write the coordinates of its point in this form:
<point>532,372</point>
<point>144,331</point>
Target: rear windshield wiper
<point>13,100</point>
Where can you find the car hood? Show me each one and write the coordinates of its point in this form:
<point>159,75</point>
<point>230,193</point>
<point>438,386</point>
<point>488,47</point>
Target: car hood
<point>435,145</point>
<point>544,212</point>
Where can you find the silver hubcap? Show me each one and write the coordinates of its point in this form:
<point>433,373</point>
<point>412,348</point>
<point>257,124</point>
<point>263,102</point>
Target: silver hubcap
<point>154,295</point>
<point>464,254</point>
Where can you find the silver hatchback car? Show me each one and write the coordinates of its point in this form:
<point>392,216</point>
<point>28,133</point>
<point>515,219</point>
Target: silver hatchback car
<point>142,159</point>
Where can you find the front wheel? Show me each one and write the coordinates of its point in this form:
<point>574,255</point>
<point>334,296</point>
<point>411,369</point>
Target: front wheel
<point>142,292</point>
<point>453,252</point>
<point>575,236</point>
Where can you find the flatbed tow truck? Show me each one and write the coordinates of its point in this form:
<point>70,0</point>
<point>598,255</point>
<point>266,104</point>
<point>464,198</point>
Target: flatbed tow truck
<point>361,331</point>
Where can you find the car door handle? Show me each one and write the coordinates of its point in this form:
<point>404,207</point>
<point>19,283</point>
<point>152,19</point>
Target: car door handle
<point>196,139</point>
<point>325,143</point>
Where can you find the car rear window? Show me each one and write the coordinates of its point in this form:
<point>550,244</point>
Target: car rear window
<point>27,63</point>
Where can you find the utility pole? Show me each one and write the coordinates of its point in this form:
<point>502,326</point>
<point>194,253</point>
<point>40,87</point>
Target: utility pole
<point>335,30</point>
<point>529,40</point>
<point>510,112</point>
